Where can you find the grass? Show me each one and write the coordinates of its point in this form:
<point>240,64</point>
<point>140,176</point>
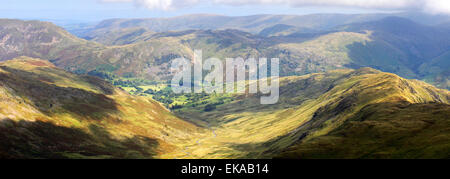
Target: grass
<point>310,107</point>
<point>392,130</point>
<point>68,115</point>
<point>85,117</point>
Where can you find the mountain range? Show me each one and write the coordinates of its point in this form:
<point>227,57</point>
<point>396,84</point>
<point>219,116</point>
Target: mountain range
<point>351,86</point>
<point>392,44</point>
<point>254,24</point>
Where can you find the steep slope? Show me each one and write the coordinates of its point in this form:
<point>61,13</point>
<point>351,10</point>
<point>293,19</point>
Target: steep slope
<point>316,106</point>
<point>326,52</point>
<point>437,70</point>
<point>46,112</point>
<point>119,36</point>
<point>419,42</point>
<point>422,49</point>
<point>47,41</point>
<point>279,30</point>
<point>343,50</point>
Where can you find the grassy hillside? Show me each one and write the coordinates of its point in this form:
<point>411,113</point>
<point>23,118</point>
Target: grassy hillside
<point>46,112</point>
<point>120,36</point>
<point>279,30</point>
<point>315,106</point>
<point>423,50</point>
<point>437,70</point>
<point>384,130</point>
<point>419,42</point>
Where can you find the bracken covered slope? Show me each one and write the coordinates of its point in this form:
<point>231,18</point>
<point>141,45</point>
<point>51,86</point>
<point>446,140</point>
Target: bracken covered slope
<point>46,112</point>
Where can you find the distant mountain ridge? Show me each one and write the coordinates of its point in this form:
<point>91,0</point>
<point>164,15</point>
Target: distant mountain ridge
<point>253,23</point>
<point>392,44</point>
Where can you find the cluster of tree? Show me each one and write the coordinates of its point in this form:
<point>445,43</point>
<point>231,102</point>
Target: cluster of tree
<point>138,89</point>
<point>103,74</point>
<point>166,96</point>
<point>149,91</point>
<point>175,106</point>
<point>166,101</point>
<point>120,81</point>
<point>124,83</point>
<point>210,107</point>
<point>132,82</point>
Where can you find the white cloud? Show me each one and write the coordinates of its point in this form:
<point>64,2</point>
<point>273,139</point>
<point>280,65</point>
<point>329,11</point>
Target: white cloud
<point>437,6</point>
<point>429,6</point>
<point>160,4</point>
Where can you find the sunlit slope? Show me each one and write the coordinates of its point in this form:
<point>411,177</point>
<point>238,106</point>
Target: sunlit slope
<point>315,106</point>
<point>46,112</point>
<point>385,130</point>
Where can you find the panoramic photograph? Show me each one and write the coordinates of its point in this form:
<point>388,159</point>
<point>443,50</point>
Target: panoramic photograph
<point>224,79</point>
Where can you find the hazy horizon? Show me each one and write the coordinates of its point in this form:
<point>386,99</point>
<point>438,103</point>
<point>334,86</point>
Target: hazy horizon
<point>97,10</point>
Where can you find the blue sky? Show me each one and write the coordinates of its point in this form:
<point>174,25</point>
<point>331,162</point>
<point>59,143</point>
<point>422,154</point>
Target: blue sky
<point>94,10</point>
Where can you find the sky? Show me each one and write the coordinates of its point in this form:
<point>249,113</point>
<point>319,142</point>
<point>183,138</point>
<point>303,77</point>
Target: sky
<point>95,10</point>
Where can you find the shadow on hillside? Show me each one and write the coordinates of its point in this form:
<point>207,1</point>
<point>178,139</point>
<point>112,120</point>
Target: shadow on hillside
<point>27,140</point>
<point>378,131</point>
<point>104,86</point>
<point>377,55</point>
<point>49,98</point>
<point>318,121</point>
